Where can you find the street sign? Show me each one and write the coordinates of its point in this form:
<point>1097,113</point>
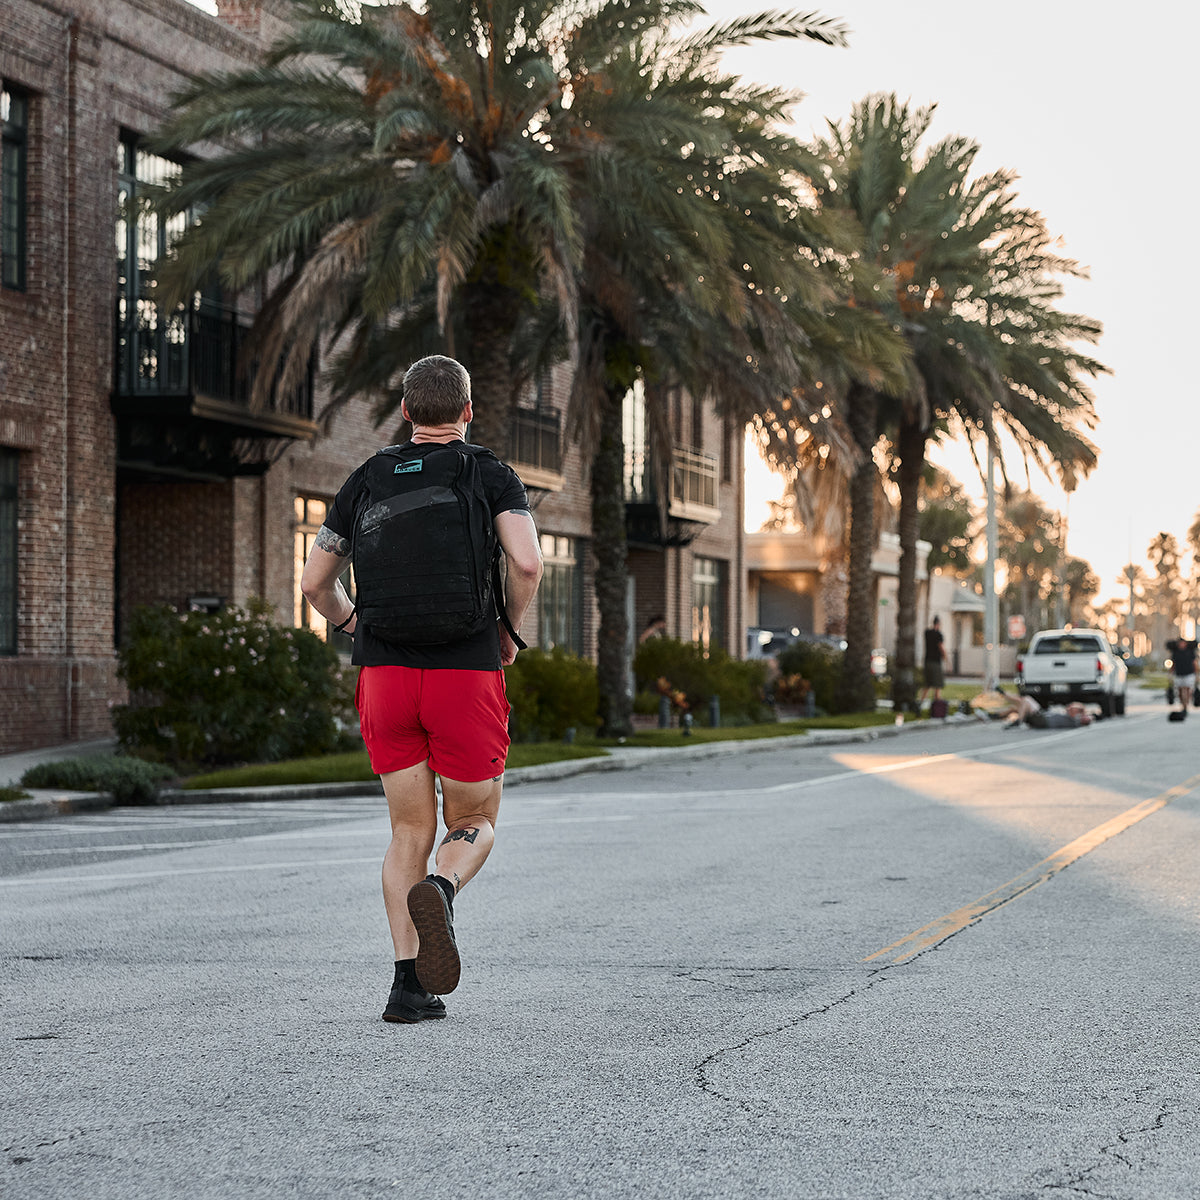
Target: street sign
<point>1016,627</point>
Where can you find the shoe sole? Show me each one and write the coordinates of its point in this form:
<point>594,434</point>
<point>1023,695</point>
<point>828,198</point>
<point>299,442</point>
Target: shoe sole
<point>411,1016</point>
<point>438,965</point>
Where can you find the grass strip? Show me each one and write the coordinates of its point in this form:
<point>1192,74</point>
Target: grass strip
<point>354,766</point>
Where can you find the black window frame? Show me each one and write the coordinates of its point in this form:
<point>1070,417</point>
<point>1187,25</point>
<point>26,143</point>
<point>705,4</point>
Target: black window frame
<point>14,208</point>
<point>10,466</point>
<point>560,594</point>
<point>710,578</point>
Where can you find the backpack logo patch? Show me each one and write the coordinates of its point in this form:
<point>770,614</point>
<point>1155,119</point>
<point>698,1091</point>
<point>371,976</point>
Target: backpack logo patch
<point>409,467</point>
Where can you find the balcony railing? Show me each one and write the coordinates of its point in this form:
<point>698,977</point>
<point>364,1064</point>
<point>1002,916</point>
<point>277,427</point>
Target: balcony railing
<point>194,353</point>
<point>692,503</point>
<point>693,479</point>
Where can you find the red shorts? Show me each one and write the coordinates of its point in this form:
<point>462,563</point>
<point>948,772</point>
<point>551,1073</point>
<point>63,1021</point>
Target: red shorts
<point>456,719</point>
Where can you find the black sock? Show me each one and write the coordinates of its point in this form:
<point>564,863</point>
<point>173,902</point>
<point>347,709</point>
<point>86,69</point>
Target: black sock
<point>406,974</point>
<point>446,886</point>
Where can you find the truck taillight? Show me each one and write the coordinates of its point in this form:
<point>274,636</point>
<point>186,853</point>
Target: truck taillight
<point>1020,666</point>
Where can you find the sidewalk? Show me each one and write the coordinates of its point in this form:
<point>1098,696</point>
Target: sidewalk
<point>47,803</point>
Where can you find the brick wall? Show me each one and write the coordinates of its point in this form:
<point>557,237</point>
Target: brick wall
<point>92,68</point>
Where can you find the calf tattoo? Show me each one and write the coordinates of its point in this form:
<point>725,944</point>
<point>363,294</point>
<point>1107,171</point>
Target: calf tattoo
<point>461,835</point>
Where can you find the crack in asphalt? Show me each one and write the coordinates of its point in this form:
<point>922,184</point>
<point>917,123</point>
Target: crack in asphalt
<point>1081,1183</point>
<point>702,1070</point>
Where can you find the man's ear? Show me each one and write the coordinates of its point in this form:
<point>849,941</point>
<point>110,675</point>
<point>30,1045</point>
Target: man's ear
<point>468,414</point>
<point>404,411</point>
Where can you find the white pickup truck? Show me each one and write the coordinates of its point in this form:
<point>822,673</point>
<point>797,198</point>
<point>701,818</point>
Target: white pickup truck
<point>1073,664</point>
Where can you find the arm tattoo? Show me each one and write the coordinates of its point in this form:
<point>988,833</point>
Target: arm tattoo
<point>328,540</point>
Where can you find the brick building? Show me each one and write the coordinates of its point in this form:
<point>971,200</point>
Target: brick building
<point>132,467</point>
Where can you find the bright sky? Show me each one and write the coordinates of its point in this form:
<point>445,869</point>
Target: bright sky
<point>1089,107</point>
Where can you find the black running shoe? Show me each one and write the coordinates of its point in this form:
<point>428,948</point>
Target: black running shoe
<point>407,1008</point>
<point>438,966</point>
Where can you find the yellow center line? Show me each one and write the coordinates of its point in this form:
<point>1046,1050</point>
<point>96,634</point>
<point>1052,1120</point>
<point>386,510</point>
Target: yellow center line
<point>937,931</point>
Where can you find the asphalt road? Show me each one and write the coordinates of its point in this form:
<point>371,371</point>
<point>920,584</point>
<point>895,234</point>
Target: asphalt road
<point>955,964</point>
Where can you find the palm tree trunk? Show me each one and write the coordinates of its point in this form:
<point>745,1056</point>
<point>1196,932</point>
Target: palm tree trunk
<point>609,549</point>
<point>833,592</point>
<point>489,321</point>
<point>856,688</point>
<point>910,448</point>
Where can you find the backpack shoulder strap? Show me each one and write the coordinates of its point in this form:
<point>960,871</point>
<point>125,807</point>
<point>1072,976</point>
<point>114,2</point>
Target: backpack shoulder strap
<point>501,608</point>
<point>478,452</point>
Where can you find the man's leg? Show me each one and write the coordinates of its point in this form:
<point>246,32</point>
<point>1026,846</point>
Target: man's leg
<point>412,807</point>
<point>470,811</point>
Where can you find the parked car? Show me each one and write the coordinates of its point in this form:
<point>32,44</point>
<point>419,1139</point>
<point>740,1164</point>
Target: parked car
<point>1061,665</point>
<point>762,642</point>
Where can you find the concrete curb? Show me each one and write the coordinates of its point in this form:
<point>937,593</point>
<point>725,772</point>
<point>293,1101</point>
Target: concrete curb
<point>44,804</point>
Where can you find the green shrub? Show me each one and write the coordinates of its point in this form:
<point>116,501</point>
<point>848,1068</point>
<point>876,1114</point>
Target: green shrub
<point>817,662</point>
<point>130,780</point>
<point>228,687</point>
<point>551,692</point>
<point>12,793</point>
<point>700,675</point>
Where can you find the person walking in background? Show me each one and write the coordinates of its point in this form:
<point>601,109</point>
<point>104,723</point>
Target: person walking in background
<point>1183,669</point>
<point>934,666</point>
<point>426,522</point>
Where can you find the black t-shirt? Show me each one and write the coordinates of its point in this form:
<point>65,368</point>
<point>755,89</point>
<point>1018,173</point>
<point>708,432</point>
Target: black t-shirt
<point>1183,658</point>
<point>933,645</point>
<point>481,651</point>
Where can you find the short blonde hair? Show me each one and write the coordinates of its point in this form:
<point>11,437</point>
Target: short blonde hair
<point>436,390</point>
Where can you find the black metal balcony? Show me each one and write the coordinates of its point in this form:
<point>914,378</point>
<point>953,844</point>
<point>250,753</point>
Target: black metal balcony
<point>692,504</point>
<point>182,396</point>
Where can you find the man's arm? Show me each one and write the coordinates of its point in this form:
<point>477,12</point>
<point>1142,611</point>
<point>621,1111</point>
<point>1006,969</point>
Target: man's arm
<point>523,558</point>
<point>320,583</point>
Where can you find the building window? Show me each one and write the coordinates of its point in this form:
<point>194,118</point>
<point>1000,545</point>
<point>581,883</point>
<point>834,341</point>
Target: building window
<point>8,551</point>
<point>310,516</point>
<point>151,344</point>
<point>635,435</point>
<point>535,440</point>
<point>14,154</point>
<point>708,602</point>
<point>560,595</point>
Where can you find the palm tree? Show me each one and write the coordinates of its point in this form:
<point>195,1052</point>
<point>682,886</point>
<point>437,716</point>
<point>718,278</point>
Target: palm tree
<point>946,520</point>
<point>969,281</point>
<point>1081,584</point>
<point>402,180</point>
<point>694,276</point>
<point>507,181</point>
<point>1030,551</point>
<point>1165,588</point>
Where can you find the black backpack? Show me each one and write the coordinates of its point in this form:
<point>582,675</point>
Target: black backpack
<point>426,557</point>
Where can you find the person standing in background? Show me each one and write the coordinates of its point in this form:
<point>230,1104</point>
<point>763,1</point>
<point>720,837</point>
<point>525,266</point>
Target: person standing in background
<point>934,666</point>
